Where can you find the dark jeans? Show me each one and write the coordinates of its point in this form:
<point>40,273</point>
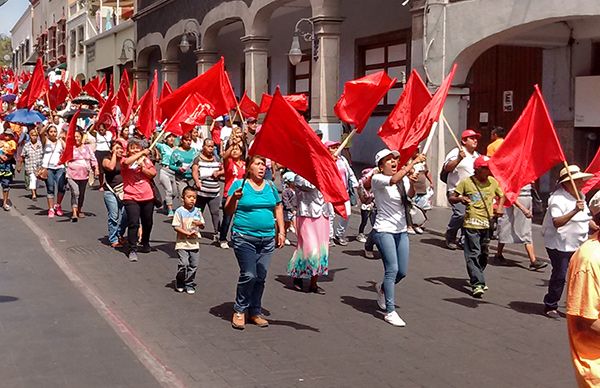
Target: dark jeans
<point>137,211</point>
<point>456,220</point>
<point>366,215</point>
<point>225,222</point>
<point>213,207</point>
<point>254,256</point>
<point>560,265</point>
<point>477,243</point>
<point>187,267</point>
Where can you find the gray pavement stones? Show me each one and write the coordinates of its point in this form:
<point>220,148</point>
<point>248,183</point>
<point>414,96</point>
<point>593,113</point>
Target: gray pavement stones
<point>335,340</point>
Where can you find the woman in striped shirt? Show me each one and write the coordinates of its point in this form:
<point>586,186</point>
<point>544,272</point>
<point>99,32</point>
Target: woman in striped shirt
<point>206,171</point>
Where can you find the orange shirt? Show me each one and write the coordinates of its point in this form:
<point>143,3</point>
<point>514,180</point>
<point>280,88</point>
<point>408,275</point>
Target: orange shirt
<point>493,147</point>
<point>583,300</point>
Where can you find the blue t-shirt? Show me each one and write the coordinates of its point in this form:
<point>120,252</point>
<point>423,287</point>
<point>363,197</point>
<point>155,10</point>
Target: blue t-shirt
<point>165,153</point>
<point>180,158</point>
<point>254,215</point>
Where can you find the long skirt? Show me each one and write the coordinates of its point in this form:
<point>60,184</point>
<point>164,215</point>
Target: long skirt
<point>311,257</point>
<point>513,226</point>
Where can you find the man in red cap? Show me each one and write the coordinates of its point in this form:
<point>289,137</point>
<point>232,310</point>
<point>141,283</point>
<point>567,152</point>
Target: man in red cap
<point>458,165</point>
<point>477,193</point>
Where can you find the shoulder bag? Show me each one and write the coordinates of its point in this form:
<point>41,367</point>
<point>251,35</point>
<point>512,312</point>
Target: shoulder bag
<point>492,220</point>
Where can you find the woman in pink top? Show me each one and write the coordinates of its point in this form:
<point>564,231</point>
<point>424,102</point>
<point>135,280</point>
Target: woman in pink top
<point>78,172</point>
<point>138,171</point>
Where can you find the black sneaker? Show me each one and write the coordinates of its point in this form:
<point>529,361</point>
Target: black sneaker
<point>500,259</point>
<point>537,265</point>
<point>145,249</point>
<point>341,241</point>
<point>552,313</point>
<point>451,245</point>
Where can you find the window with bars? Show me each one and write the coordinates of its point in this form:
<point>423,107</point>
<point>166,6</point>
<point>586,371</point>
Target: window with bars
<point>61,38</point>
<point>73,43</point>
<point>80,39</point>
<point>389,52</point>
<point>300,78</point>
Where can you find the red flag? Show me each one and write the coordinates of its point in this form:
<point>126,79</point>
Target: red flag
<point>67,154</point>
<point>360,98</point>
<point>38,86</point>
<point>74,88</point>
<point>134,95</point>
<point>248,107</point>
<point>297,101</point>
<point>147,114</point>
<point>101,84</point>
<point>91,90</point>
<point>395,131</point>
<point>529,150</point>
<point>106,115</point>
<point>57,94</point>
<point>165,92</point>
<point>286,138</point>
<point>15,89</point>
<point>133,104</point>
<point>593,168</point>
<point>123,96</point>
<point>192,112</point>
<point>214,85</point>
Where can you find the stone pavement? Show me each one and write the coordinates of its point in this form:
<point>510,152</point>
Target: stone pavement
<point>335,340</point>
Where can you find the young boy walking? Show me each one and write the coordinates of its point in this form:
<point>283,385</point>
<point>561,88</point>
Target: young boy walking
<point>187,222</point>
<point>477,192</point>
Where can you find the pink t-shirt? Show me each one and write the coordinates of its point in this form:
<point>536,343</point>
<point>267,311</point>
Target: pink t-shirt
<point>83,160</point>
<point>136,185</point>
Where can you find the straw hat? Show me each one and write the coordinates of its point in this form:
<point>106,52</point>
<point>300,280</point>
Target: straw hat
<point>594,204</point>
<point>576,173</point>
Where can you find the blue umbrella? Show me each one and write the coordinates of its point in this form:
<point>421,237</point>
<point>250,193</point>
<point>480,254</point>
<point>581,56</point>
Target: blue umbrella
<point>25,117</point>
<point>10,98</point>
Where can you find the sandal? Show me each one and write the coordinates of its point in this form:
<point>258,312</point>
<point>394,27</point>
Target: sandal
<point>315,289</point>
<point>298,284</point>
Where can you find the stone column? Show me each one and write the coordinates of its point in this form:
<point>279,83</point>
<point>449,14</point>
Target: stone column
<point>205,59</point>
<point>326,77</point>
<point>141,75</point>
<point>256,49</point>
<point>169,71</point>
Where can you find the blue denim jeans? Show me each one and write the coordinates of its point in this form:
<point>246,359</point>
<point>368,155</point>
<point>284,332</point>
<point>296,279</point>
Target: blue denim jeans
<point>476,250</point>
<point>56,182</point>
<point>254,256</point>
<point>117,219</point>
<point>560,265</point>
<point>393,248</point>
<point>456,220</point>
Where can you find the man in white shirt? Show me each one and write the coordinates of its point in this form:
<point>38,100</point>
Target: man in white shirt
<point>459,165</point>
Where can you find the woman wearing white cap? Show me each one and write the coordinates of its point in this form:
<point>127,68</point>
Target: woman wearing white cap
<point>390,229</point>
<point>565,228</point>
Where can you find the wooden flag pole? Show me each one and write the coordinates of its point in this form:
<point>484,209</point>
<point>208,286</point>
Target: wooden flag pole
<point>458,143</point>
<point>577,196</point>
<point>430,138</point>
<point>345,142</point>
<point>160,135</point>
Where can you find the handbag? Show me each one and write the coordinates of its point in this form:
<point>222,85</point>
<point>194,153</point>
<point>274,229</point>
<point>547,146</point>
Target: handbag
<point>41,173</point>
<point>415,215</point>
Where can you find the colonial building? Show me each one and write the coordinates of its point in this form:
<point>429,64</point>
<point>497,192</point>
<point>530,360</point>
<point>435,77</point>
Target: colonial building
<point>20,34</point>
<point>49,19</point>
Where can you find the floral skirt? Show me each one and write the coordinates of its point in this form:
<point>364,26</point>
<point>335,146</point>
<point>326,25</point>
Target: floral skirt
<point>311,257</point>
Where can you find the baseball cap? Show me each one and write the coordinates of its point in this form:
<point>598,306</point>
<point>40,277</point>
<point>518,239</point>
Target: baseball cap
<point>331,143</point>
<point>470,133</point>
<point>482,161</point>
<point>384,153</point>
<point>594,204</point>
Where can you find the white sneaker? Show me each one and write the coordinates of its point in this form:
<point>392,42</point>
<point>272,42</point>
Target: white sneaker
<point>419,230</point>
<point>394,319</point>
<point>361,238</point>
<point>369,254</point>
<point>380,296</point>
<point>287,242</point>
<point>410,230</point>
<point>224,245</point>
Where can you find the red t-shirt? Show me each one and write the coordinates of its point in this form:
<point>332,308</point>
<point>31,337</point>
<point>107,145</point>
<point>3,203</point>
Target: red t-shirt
<point>233,171</point>
<point>216,135</point>
<point>136,185</point>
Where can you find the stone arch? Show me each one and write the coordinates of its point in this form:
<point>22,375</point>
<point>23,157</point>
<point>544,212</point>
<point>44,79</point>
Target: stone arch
<point>170,43</point>
<point>220,16</point>
<point>145,46</point>
<point>261,12</point>
<point>490,25</point>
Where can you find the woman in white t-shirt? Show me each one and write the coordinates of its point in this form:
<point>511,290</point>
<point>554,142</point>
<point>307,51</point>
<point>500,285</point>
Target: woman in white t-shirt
<point>390,229</point>
<point>103,146</point>
<point>565,227</point>
<point>56,181</point>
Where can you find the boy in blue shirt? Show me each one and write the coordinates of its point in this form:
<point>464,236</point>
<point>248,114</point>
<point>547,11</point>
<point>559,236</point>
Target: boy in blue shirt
<point>187,222</point>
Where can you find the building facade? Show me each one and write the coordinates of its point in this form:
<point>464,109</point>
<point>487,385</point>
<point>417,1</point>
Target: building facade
<point>49,21</point>
<point>23,56</point>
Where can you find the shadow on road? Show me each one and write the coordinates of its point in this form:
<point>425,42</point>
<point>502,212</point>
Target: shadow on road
<point>224,311</point>
<point>366,306</point>
<point>6,298</point>
<point>527,307</point>
<point>437,242</point>
<point>458,284</point>
<point>467,302</point>
<point>370,287</point>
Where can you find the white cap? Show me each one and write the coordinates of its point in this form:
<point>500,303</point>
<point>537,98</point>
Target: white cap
<point>384,153</point>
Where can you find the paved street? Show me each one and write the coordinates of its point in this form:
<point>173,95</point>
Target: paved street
<point>335,340</point>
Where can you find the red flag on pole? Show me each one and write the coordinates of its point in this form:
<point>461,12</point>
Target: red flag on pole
<point>529,150</point>
<point>248,107</point>
<point>593,168</point>
<point>67,154</point>
<point>38,86</point>
<point>395,131</point>
<point>134,96</point>
<point>57,94</point>
<point>361,96</point>
<point>165,92</point>
<point>297,101</point>
<point>214,85</point>
<point>90,89</point>
<point>123,96</point>
<point>286,138</point>
<point>74,88</point>
<point>101,84</point>
<point>192,112</point>
<point>106,115</point>
<point>15,89</point>
<point>147,114</point>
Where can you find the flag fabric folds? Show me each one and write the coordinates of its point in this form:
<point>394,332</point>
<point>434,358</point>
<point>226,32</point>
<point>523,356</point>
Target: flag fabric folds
<point>297,101</point>
<point>67,154</point>
<point>529,150</point>
<point>593,168</point>
<point>147,114</point>
<point>248,107</point>
<point>122,99</point>
<point>38,86</point>
<point>395,131</point>
<point>107,116</point>
<point>192,112</point>
<point>287,139</point>
<point>214,85</point>
<point>360,98</point>
<point>74,88</point>
<point>91,90</point>
<point>57,94</point>
<point>165,92</point>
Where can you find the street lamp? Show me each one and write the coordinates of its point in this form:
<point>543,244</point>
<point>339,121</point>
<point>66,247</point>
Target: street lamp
<point>185,45</point>
<point>295,53</point>
<point>123,57</point>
